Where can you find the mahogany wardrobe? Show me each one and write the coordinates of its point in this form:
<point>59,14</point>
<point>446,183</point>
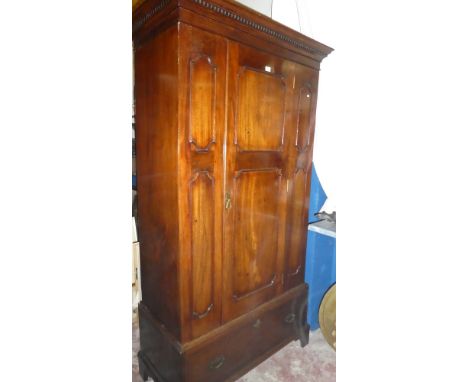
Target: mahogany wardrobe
<point>225,102</point>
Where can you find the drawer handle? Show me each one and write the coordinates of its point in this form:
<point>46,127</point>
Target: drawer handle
<point>257,324</point>
<point>199,316</point>
<point>217,362</point>
<point>289,319</point>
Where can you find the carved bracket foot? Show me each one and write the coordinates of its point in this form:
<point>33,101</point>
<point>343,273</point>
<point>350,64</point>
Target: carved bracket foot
<point>301,325</point>
<point>142,368</point>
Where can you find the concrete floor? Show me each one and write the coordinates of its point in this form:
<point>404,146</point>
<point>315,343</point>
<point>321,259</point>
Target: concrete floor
<point>314,363</point>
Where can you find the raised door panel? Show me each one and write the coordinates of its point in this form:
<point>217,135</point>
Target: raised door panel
<point>202,101</point>
<point>201,193</point>
<point>255,209</point>
<point>261,110</point>
<point>305,116</point>
<point>296,233</point>
<point>260,134</point>
<point>202,68</point>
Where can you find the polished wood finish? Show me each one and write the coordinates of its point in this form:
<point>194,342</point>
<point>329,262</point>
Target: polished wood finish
<point>300,169</point>
<point>202,76</point>
<point>238,347</point>
<point>229,351</point>
<point>156,90</point>
<point>225,119</point>
<point>256,178</point>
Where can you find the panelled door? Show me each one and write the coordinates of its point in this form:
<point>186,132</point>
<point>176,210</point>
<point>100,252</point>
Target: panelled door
<point>202,94</point>
<point>258,142</point>
<point>300,160</point>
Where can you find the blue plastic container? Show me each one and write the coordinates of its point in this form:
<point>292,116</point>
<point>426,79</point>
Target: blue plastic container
<point>320,268</point>
<point>320,271</point>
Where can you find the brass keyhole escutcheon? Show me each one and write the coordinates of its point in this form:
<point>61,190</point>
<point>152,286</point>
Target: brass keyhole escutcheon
<point>227,202</point>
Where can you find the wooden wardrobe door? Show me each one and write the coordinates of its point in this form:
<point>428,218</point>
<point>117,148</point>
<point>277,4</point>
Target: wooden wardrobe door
<point>257,149</point>
<point>202,74</point>
<point>305,96</point>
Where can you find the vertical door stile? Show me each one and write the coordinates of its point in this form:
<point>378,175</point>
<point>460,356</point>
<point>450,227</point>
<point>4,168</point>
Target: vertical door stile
<point>229,160</point>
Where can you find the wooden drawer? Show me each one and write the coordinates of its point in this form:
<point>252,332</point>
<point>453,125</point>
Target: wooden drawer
<point>239,348</point>
<point>230,351</point>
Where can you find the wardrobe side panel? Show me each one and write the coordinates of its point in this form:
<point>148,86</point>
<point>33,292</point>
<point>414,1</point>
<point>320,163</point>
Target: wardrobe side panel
<point>156,89</point>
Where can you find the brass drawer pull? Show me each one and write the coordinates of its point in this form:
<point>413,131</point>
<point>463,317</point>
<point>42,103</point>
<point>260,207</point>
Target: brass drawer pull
<point>289,319</point>
<point>199,316</point>
<point>217,362</point>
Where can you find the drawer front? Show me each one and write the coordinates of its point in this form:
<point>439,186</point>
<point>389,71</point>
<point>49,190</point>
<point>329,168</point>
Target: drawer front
<point>242,347</point>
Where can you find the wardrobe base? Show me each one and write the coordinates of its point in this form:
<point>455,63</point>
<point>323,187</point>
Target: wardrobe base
<point>228,352</point>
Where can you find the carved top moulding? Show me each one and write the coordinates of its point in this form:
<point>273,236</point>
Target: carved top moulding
<point>223,16</point>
